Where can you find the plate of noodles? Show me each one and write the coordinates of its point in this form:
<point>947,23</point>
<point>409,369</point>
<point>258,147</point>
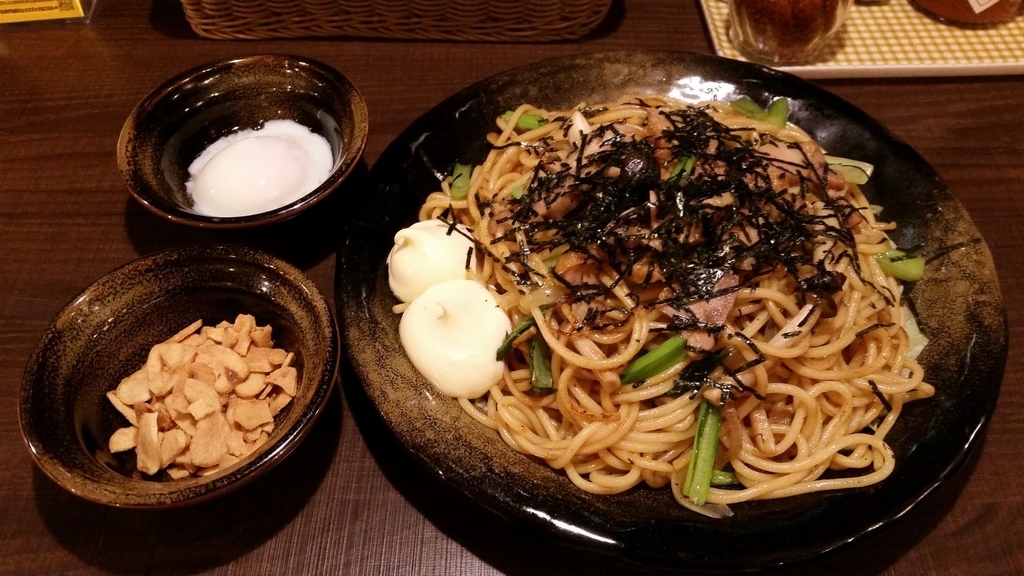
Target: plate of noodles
<point>678,309</point>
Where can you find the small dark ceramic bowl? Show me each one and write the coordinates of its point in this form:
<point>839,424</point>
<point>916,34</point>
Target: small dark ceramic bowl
<point>181,118</point>
<point>105,334</point>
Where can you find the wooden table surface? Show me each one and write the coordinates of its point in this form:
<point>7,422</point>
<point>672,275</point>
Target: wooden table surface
<point>350,501</point>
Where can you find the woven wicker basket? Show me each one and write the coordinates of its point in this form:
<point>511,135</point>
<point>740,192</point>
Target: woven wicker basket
<point>467,20</point>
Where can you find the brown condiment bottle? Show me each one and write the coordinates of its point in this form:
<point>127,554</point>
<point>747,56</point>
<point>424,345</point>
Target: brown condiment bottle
<point>970,13</point>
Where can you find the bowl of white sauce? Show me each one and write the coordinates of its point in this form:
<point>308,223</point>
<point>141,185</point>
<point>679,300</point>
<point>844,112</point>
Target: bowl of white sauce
<point>243,142</point>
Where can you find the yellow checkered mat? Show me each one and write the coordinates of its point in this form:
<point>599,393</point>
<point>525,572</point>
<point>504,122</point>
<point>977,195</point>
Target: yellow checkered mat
<point>895,40</point>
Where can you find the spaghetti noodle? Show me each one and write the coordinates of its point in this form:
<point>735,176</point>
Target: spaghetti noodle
<point>607,230</point>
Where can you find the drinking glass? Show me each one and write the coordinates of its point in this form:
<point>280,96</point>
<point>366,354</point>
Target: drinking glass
<point>785,32</point>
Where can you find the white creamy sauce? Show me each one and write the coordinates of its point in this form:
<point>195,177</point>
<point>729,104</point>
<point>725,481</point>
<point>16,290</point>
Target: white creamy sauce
<point>451,333</point>
<point>425,254</point>
<point>254,171</point>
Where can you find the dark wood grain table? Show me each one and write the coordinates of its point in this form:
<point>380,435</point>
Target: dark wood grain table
<point>350,500</point>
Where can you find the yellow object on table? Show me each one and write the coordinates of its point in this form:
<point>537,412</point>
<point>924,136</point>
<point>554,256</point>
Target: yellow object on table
<point>12,11</point>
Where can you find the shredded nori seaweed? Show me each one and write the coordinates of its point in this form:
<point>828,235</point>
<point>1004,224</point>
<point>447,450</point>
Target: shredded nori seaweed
<point>880,396</point>
<point>697,374</point>
<point>694,243</point>
<point>872,328</point>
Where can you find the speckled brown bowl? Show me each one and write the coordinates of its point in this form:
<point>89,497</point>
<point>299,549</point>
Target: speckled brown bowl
<point>958,303</point>
<point>105,334</point>
<point>181,118</point>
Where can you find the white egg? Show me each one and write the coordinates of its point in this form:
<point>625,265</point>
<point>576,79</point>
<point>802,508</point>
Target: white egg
<point>255,171</point>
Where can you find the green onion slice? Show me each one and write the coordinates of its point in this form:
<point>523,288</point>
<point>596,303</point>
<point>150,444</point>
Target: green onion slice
<point>777,112</point>
<point>723,478</point>
<point>526,121</point>
<point>461,176</point>
<point>854,171</point>
<point>506,344</point>
<point>899,264</point>
<point>744,105</point>
<point>705,448</point>
<point>540,365</point>
<point>664,356</point>
<point>682,168</point>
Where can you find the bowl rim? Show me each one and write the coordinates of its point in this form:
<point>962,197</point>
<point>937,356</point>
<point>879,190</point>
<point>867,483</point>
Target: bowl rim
<point>191,490</point>
<point>338,175</point>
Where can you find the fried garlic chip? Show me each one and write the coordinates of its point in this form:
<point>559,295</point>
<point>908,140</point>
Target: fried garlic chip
<point>204,399</point>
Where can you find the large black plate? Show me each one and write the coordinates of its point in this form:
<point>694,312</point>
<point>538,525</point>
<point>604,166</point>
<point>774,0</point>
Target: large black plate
<point>958,302</point>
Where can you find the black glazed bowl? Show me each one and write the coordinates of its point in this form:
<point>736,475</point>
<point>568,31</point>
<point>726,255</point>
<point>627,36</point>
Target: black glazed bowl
<point>958,303</point>
<point>182,117</point>
<point>105,334</point>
